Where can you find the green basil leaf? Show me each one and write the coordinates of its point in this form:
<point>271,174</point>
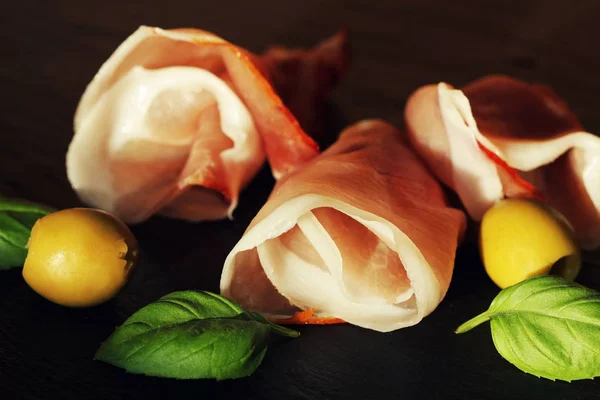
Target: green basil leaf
<point>277,329</point>
<point>186,306</point>
<point>23,207</point>
<point>191,335</point>
<point>211,348</point>
<point>546,326</point>
<point>10,254</point>
<point>16,220</point>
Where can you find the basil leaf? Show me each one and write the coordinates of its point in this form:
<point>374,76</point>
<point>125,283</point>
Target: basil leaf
<point>186,306</point>
<point>277,329</point>
<point>23,207</point>
<point>16,220</point>
<point>189,305</point>
<point>546,326</point>
<point>190,335</point>
<point>210,348</point>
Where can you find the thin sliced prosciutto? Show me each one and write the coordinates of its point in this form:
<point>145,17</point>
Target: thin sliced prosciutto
<point>500,137</point>
<point>362,234</point>
<point>177,122</point>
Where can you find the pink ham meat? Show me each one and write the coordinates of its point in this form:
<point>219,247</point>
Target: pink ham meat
<point>303,77</point>
<point>177,122</point>
<point>362,234</point>
<point>500,137</point>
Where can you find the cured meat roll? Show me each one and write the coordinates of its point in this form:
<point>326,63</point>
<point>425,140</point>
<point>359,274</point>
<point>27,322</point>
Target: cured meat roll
<point>500,137</point>
<point>361,234</point>
<point>178,121</point>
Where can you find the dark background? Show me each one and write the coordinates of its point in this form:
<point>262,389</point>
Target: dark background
<point>50,50</point>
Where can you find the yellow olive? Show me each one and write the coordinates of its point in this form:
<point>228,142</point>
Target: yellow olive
<point>522,238</point>
<point>79,257</point>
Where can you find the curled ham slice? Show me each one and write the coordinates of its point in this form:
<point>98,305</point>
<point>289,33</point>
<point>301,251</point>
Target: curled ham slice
<point>304,77</point>
<point>500,137</point>
<point>362,233</point>
<point>177,122</point>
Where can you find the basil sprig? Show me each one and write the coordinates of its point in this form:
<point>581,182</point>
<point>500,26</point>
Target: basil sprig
<point>16,220</point>
<point>546,326</point>
<point>191,335</point>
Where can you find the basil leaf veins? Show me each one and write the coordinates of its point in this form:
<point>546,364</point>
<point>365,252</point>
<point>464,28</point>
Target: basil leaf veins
<point>16,220</point>
<point>191,335</point>
<point>546,326</point>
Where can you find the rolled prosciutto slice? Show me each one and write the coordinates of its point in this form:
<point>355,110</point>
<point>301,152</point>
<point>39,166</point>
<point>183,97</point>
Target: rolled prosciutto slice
<point>176,122</point>
<point>361,234</point>
<point>500,137</point>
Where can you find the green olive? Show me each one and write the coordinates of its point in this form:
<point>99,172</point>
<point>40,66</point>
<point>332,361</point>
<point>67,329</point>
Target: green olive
<point>79,257</point>
<point>522,238</point>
